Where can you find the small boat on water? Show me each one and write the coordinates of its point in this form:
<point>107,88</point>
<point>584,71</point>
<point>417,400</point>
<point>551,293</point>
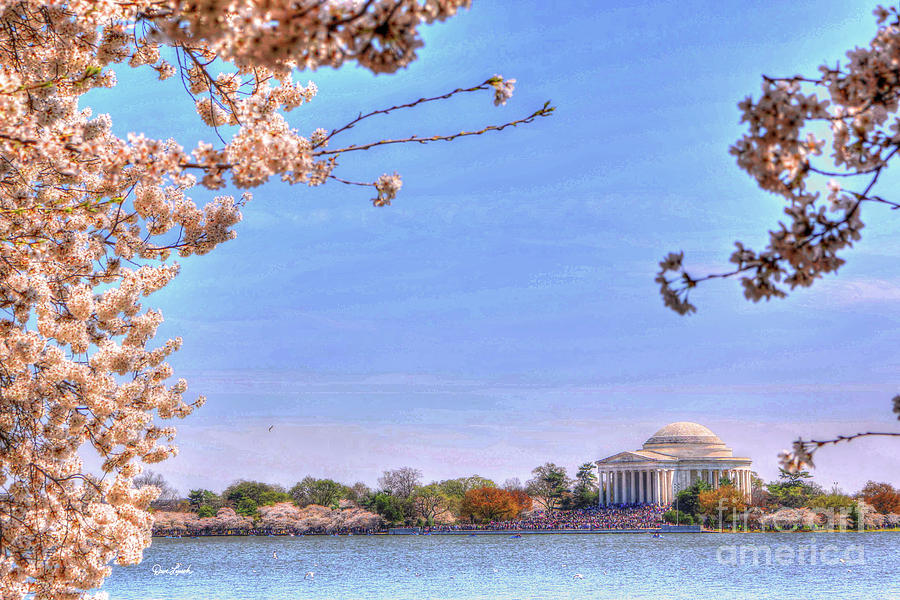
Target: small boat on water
<point>516,536</point>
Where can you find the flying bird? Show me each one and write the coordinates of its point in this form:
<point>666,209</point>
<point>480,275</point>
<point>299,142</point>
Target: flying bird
<point>271,427</point>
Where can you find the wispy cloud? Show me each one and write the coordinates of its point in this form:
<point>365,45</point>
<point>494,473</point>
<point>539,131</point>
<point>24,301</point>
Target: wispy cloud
<point>848,292</point>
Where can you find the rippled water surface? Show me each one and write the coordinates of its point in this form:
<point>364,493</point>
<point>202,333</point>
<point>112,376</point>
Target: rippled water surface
<point>616,566</point>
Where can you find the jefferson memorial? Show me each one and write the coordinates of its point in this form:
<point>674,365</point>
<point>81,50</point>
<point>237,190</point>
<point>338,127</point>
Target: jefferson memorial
<point>671,460</point>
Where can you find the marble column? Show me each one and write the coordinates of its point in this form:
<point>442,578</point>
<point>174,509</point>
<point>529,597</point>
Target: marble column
<point>631,485</point>
<point>640,486</point>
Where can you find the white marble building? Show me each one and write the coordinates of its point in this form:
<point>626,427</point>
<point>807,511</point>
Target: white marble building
<point>670,461</point>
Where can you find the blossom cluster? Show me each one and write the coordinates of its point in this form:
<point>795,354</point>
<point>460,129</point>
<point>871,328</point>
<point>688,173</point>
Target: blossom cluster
<point>857,102</point>
<point>90,224</point>
<point>798,458</point>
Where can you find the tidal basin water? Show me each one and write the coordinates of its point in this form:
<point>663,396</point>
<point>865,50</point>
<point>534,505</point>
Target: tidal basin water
<point>615,566</point>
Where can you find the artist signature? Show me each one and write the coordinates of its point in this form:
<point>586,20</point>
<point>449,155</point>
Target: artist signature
<point>178,569</point>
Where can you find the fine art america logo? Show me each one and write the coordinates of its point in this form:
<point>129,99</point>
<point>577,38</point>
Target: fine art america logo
<point>783,554</point>
<point>178,569</point>
<point>812,520</point>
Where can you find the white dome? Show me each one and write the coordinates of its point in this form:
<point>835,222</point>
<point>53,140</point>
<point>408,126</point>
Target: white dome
<point>687,439</point>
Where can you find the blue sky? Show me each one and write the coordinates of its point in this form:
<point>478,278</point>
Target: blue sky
<point>502,313</point>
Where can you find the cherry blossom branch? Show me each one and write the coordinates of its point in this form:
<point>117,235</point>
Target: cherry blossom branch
<point>849,438</point>
<point>347,182</point>
<point>545,111</point>
<point>484,86</point>
<point>800,456</point>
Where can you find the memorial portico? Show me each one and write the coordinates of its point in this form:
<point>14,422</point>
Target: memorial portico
<point>671,460</point>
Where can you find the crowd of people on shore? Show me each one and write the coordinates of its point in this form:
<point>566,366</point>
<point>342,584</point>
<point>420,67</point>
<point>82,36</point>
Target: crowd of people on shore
<point>623,516</point>
<point>178,533</point>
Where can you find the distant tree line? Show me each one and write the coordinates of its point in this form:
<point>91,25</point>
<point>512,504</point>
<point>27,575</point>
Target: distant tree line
<point>401,497</point>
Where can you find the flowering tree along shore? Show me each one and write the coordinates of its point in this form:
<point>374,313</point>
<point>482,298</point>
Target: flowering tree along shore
<point>859,102</point>
<point>474,502</point>
<point>89,223</point>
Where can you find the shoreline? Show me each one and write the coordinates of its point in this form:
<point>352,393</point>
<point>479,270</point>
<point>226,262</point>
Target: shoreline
<point>524,532</point>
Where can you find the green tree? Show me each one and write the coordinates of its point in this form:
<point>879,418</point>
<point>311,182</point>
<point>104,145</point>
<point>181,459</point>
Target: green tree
<point>677,517</point>
<point>585,492</point>
<point>793,489</point>
<point>324,492</point>
<point>302,491</point>
<point>253,490</point>
<point>431,501</point>
<point>201,497</point>
<point>390,507</point>
<point>836,501</point>
<point>273,497</point>
<point>327,492</point>
<point>549,486</point>
<point>793,477</point>
<point>246,506</point>
<point>206,511</point>
<point>458,487</point>
<point>688,499</point>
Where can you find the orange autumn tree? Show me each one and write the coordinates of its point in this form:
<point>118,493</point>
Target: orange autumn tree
<point>724,502</point>
<point>494,504</point>
<point>90,223</point>
<point>883,497</point>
